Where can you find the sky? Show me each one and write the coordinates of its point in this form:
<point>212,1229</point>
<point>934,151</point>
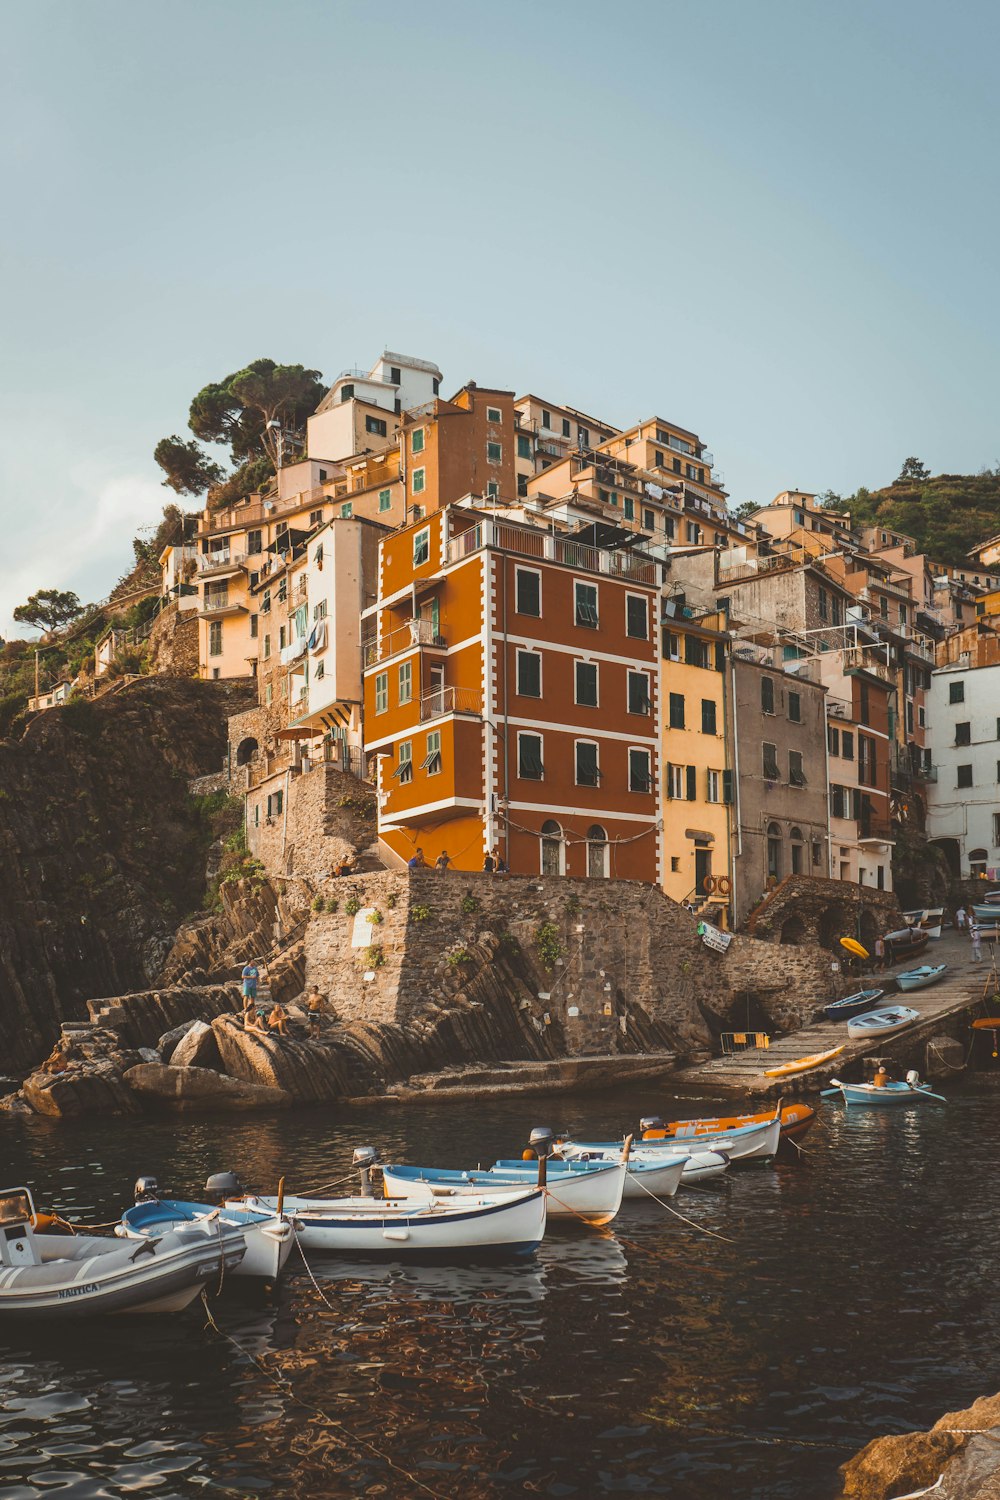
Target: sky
<point>775,224</point>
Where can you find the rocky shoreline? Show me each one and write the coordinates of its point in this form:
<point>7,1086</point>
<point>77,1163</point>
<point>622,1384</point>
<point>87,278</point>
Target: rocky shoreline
<point>956,1459</point>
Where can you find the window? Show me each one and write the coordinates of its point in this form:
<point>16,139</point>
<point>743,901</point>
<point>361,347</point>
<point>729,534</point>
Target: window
<point>963,733</point>
<point>215,638</point>
<point>404,768</point>
<point>346,510</point>
<point>639,778</point>
<point>708,716</point>
<point>712,789</point>
<point>253,627</point>
<point>597,852</point>
<point>996,829</point>
<point>588,772</point>
<point>565,427</point>
<point>675,781</point>
<point>493,489</point>
<point>552,861</point>
<point>584,437</point>
<point>691,783</point>
<point>494,453</point>
<point>696,652</point>
<point>847,744</point>
<point>417,440</point>
<point>795,707</point>
<point>676,711</point>
<point>675,864</point>
<point>417,483</point>
<point>529,674</point>
<point>421,547</point>
<point>585,596</point>
<point>254,542</point>
<point>833,740</point>
<point>376,425</point>
<point>431,762</point>
<point>320,670</point>
<point>406,682</point>
<point>773,852</point>
<point>767,695</point>
<point>381,692</point>
<point>824,604</point>
<point>275,804</point>
<point>836,611</point>
<point>628,505</point>
<point>648,520</point>
<point>385,499</point>
<point>528,592</point>
<point>267,647</point>
<point>636,617</point>
<point>418,512</point>
<point>346,392</point>
<point>529,757</point>
<point>523,447</point>
<point>769,758</point>
<point>315,517</point>
<point>671,645</point>
<point>838,802</point>
<point>282,638</point>
<point>586,684</point>
<point>998,729</point>
<point>638,693</point>
<point>547,420</point>
<point>796,775</point>
<point>956,692</point>
<point>964,776</point>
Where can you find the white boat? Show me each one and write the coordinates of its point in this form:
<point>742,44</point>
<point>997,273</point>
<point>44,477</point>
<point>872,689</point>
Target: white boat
<point>511,1223</point>
<point>745,1143</point>
<point>268,1237</point>
<point>587,1192</point>
<point>909,1092</point>
<point>882,1022</point>
<point>80,1275</point>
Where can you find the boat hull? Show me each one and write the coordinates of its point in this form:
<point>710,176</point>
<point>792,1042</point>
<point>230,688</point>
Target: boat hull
<point>881,1023</point>
<point>919,979</point>
<point>889,1094</point>
<point>590,1195</point>
<point>267,1238</point>
<point>745,1143</point>
<point>852,1005</point>
<point>796,1119</point>
<point>511,1224</point>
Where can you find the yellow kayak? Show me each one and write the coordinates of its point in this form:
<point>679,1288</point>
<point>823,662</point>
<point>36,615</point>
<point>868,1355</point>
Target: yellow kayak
<point>803,1064</point>
<point>853,946</point>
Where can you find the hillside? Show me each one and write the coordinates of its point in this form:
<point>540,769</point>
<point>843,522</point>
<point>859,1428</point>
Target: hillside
<point>946,514</point>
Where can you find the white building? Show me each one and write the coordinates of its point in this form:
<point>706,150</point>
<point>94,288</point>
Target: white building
<point>360,412</point>
<point>963,814</point>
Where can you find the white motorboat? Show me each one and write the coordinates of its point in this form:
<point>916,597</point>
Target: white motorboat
<point>268,1236</point>
<point>744,1143</point>
<point>576,1192</point>
<point>80,1275</point>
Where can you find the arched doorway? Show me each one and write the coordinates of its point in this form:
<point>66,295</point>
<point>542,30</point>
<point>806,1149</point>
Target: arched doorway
<point>773,853</point>
<point>245,751</point>
<point>553,849</point>
<point>978,860</point>
<point>949,848</point>
<point>793,931</point>
<point>597,852</point>
<point>868,930</point>
<point>833,925</point>
<point>797,851</point>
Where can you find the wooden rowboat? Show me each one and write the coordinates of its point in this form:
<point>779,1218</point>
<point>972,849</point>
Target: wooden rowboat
<point>882,1022</point>
<point>803,1064</point>
<point>883,1094</point>
<point>795,1121</point>
<point>919,979</point>
<point>852,1005</point>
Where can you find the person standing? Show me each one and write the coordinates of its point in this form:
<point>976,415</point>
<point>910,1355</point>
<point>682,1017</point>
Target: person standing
<point>250,976</point>
<point>489,864</point>
<point>879,955</point>
<point>977,952</point>
<point>960,919</point>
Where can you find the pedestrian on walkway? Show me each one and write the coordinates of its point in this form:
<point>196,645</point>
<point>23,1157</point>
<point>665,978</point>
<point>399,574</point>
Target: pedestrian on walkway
<point>977,952</point>
<point>879,955</point>
<point>960,919</point>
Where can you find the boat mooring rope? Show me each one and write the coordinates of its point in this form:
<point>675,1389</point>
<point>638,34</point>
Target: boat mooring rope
<point>316,1286</point>
<point>281,1383</point>
<point>677,1214</point>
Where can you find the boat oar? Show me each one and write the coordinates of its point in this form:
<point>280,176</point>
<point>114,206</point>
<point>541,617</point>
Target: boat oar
<point>920,1089</point>
<point>825,1093</point>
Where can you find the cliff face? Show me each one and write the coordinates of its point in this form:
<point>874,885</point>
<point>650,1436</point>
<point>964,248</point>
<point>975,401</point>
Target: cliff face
<point>101,849</point>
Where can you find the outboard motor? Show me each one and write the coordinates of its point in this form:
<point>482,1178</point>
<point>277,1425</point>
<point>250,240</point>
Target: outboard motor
<point>541,1140</point>
<point>223,1185</point>
<point>650,1122</point>
<point>365,1157</point>
<point>146,1190</point>
<point>913,1078</point>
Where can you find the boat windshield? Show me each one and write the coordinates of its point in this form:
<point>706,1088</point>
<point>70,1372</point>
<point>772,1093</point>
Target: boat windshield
<point>15,1207</point>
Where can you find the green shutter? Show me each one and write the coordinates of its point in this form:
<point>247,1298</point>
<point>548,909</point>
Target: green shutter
<point>727,786</point>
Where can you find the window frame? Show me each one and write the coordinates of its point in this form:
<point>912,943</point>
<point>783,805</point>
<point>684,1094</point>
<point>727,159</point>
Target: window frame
<point>634,675</point>
<point>535,573</point>
<point>710,710</point>
<point>421,539</point>
<point>494,414</point>
<point>384,500</point>
<point>642,599</point>
<point>381,692</point>
<point>522,736</point>
<point>594,745</point>
<point>534,656</point>
<point>404,675</point>
<point>494,452</point>
<point>647,755</point>
<point>403,772</point>
<point>676,716</point>
<point>417,436</point>
<point>432,754</point>
<point>583,624</point>
<point>580,702</point>
<point>421,476</point>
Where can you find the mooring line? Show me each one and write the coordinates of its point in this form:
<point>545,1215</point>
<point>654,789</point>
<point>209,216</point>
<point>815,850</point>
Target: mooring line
<point>280,1382</point>
<point>700,1227</point>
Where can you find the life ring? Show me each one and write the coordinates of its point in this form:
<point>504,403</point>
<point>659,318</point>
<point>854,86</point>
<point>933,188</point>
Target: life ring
<point>708,884</point>
<point>724,885</point>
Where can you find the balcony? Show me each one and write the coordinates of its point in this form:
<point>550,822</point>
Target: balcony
<point>414,633</point>
<point>221,562</point>
<point>450,700</point>
<point>221,604</point>
<point>874,831</point>
<point>526,541</point>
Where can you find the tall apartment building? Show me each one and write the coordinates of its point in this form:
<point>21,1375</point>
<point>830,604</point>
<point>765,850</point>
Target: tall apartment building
<point>963,815</point>
<point>511,697</point>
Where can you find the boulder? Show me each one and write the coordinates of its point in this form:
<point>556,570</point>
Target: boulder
<point>168,1041</point>
<point>912,1461</point>
<point>199,1089</point>
<point>93,1088</point>
<point>311,1070</point>
<point>197,1048</point>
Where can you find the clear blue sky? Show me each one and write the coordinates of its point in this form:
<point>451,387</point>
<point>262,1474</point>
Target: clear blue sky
<point>774,222</point>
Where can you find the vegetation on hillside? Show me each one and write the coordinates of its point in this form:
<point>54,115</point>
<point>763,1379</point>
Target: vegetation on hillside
<point>946,514</point>
<point>248,411</point>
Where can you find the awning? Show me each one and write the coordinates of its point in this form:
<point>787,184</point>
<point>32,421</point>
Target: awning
<point>297,732</point>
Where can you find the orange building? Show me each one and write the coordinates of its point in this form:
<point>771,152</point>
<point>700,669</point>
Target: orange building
<point>511,698</point>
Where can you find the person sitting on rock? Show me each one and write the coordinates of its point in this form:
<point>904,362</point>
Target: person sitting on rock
<point>278,1019</point>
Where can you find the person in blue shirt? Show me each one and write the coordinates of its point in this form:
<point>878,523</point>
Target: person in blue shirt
<point>250,976</point>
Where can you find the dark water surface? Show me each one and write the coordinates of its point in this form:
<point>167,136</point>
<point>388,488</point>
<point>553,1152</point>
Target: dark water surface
<point>856,1298</point>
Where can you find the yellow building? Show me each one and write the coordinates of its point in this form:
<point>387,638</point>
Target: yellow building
<point>697,778</point>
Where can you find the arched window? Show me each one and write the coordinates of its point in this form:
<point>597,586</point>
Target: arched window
<point>773,852</point>
<point>978,859</point>
<point>797,850</point>
<point>553,851</point>
<point>245,751</point>
<point>597,852</point>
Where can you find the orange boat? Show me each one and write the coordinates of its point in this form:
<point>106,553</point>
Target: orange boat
<point>795,1121</point>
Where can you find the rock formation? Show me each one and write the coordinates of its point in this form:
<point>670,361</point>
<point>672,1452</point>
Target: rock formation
<point>962,1449</point>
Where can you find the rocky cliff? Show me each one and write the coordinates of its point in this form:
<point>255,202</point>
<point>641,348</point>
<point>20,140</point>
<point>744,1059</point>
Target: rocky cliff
<point>102,851</point>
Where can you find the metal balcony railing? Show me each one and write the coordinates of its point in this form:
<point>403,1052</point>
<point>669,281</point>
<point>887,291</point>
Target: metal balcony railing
<point>413,633</point>
<point>450,700</point>
<point>527,541</point>
<point>211,562</point>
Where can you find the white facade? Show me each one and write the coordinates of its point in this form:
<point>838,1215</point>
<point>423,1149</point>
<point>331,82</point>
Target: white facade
<point>964,736</point>
<point>339,427</point>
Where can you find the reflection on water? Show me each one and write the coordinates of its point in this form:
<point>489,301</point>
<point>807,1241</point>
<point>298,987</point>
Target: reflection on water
<point>842,1299</point>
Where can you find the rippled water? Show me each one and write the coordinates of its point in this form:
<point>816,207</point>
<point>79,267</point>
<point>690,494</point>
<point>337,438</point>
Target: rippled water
<point>851,1296</point>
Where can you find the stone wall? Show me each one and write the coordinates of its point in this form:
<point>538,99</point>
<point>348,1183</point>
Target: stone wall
<point>326,816</point>
<point>587,966</point>
<point>814,909</point>
<point>173,643</point>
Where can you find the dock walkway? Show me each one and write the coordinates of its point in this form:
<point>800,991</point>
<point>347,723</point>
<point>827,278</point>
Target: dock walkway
<point>960,990</point>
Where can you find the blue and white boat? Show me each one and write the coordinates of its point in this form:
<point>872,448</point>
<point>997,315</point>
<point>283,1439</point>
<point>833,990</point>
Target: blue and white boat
<point>743,1143</point>
<point>882,1022</point>
<point>588,1192</point>
<point>919,979</point>
<point>852,1005</point>
<point>912,1091</point>
<point>268,1235</point>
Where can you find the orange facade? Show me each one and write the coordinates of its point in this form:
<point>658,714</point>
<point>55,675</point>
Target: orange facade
<point>511,698</point>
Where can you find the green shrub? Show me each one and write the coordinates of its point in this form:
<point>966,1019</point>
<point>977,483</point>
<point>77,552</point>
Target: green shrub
<point>470,904</point>
<point>460,956</point>
<point>547,943</point>
<point>392,900</point>
<point>332,904</point>
<point>352,906</point>
<point>318,903</point>
<point>372,956</point>
<point>375,917</point>
<point>420,913</point>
